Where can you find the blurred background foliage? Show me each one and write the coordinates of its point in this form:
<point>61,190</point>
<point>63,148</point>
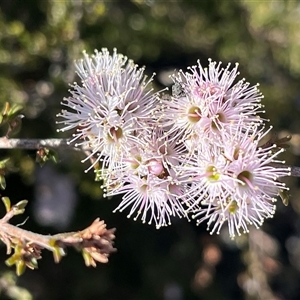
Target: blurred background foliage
<point>39,41</point>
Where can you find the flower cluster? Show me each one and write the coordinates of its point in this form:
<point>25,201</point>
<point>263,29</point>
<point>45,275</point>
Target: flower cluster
<point>194,154</point>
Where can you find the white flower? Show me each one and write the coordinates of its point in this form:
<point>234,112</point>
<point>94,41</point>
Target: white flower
<point>193,153</point>
<point>210,102</point>
<point>145,175</point>
<point>109,106</point>
<point>236,183</point>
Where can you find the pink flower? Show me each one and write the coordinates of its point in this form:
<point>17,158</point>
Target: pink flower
<point>109,106</point>
<point>193,153</point>
<point>235,184</point>
<point>145,175</point>
<point>209,103</point>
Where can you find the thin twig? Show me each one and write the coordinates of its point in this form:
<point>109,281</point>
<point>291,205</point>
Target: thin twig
<point>295,171</point>
<point>18,232</point>
<point>94,242</point>
<point>7,143</point>
<point>34,144</point>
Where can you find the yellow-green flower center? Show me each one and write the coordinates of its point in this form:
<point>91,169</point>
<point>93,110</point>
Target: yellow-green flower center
<point>213,175</point>
<point>194,114</point>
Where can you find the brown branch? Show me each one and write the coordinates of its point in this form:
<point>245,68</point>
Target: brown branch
<point>95,242</point>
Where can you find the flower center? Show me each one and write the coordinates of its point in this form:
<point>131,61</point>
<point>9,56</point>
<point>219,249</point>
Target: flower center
<point>212,174</point>
<point>115,133</point>
<point>246,178</point>
<point>194,114</point>
<point>135,163</point>
<point>236,153</point>
<point>233,207</point>
<point>220,117</point>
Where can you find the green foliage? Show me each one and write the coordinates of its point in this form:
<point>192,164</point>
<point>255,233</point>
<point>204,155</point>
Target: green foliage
<point>45,154</point>
<point>20,261</point>
<point>3,164</point>
<point>10,115</point>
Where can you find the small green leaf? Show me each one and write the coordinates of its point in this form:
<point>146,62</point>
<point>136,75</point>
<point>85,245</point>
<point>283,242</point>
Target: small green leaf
<point>45,154</point>
<point>2,182</point>
<point>7,203</point>
<point>58,252</point>
<point>19,208</point>
<point>285,196</point>
<point>20,267</point>
<point>88,260</point>
<point>10,114</point>
<point>52,155</point>
<point>18,249</point>
<point>32,264</point>
<point>5,109</point>
<point>15,123</point>
<point>3,163</point>
<point>21,204</point>
<point>12,260</point>
<point>15,109</point>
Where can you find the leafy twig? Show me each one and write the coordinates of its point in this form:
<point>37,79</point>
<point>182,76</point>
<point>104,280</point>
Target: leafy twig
<point>95,242</point>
